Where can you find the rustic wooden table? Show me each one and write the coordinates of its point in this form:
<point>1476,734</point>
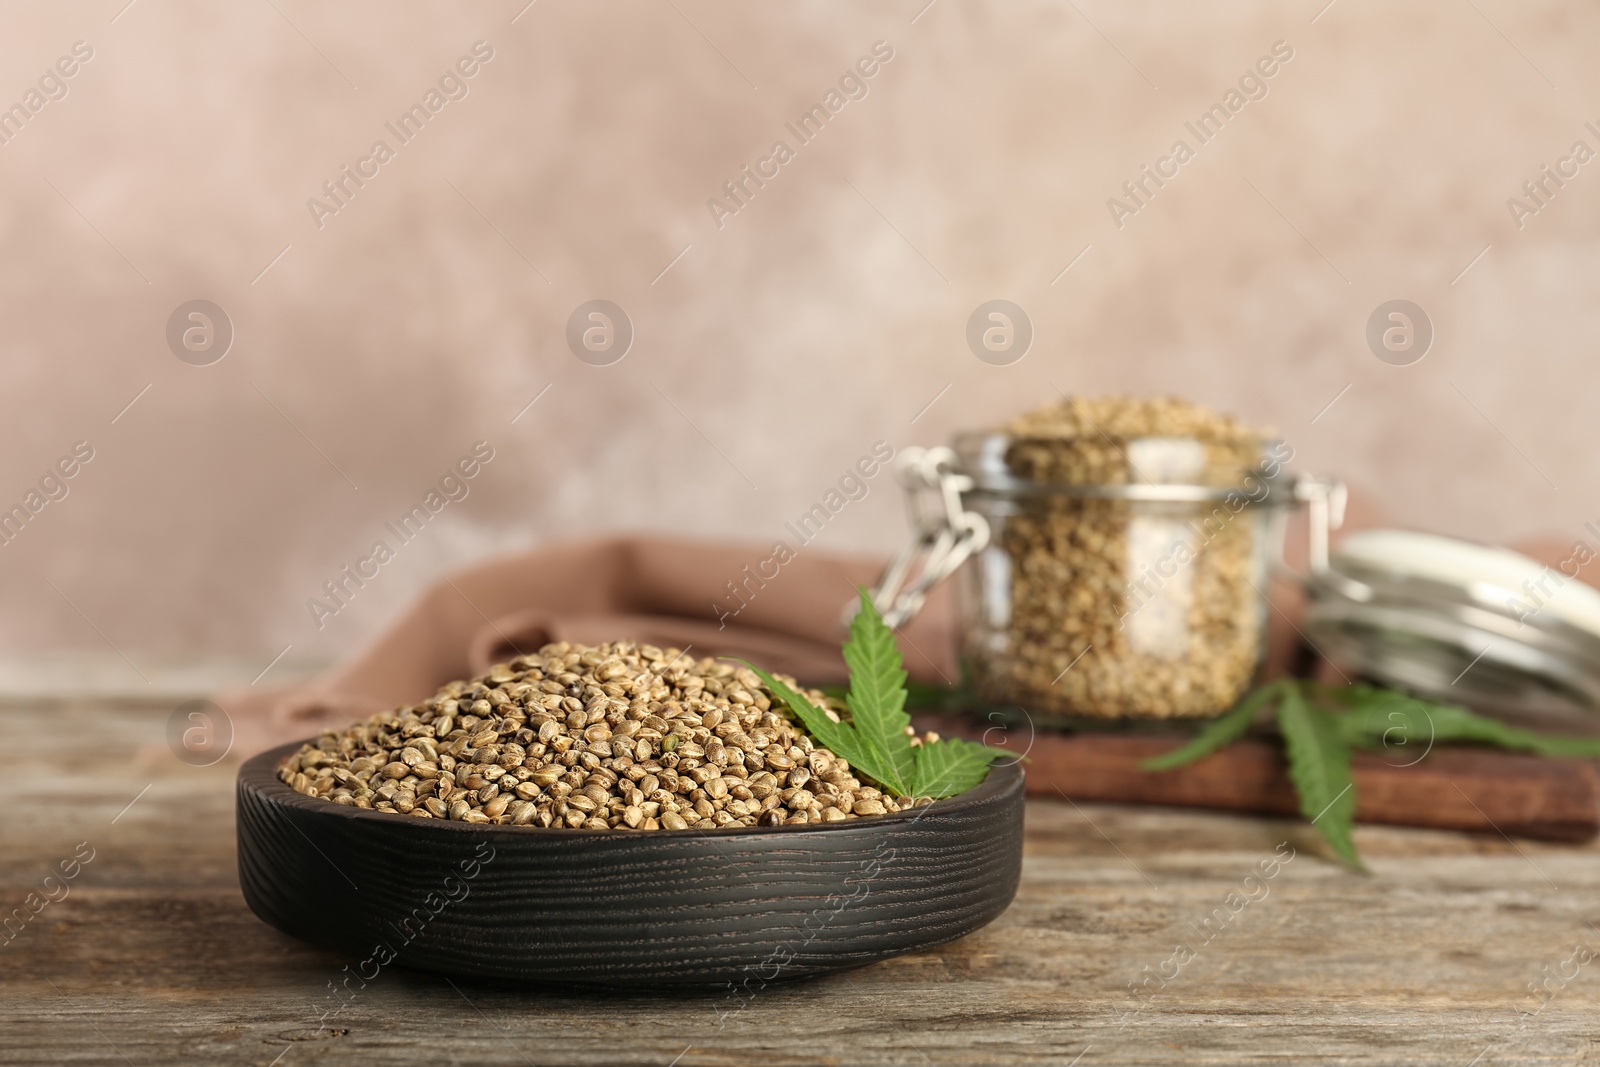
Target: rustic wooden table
<point>151,957</point>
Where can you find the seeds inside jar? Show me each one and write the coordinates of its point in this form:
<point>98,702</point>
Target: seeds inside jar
<point>1112,607</point>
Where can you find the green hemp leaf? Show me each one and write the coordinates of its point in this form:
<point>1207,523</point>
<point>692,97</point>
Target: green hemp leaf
<point>1319,766</point>
<point>876,740</point>
<point>1321,724</point>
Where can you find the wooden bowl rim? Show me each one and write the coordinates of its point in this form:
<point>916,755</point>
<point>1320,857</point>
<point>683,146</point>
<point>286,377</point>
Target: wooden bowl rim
<point>260,773</point>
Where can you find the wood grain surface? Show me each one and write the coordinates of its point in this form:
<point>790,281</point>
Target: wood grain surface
<point>152,957</point>
<point>1452,788</point>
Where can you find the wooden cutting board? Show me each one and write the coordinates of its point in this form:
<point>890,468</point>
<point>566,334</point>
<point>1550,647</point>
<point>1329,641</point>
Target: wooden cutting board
<point>1476,789</point>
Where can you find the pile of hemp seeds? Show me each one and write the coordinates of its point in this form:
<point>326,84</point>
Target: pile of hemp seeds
<point>610,737</point>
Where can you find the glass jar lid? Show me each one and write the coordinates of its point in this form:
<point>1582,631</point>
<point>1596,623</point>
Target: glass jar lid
<point>1460,622</point>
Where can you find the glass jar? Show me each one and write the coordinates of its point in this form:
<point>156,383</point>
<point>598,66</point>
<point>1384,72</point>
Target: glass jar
<point>1105,579</point>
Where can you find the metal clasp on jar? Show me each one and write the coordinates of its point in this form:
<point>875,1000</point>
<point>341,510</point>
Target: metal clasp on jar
<point>946,534</point>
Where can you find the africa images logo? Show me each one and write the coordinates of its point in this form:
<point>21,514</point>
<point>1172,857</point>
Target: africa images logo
<point>1252,85</point>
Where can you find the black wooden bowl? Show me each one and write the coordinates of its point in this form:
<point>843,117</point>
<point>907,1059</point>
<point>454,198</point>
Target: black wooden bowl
<point>738,907</point>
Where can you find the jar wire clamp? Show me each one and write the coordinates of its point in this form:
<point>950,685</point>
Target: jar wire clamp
<point>945,534</point>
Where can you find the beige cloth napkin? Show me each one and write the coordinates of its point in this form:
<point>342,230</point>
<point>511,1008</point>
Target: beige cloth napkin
<point>672,594</point>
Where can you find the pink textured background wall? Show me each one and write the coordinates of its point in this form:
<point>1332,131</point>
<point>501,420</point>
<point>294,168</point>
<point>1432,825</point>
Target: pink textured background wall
<point>373,350</point>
